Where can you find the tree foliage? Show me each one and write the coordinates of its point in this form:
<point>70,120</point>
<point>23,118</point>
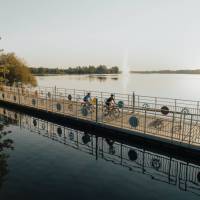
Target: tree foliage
<point>17,70</point>
<point>101,69</point>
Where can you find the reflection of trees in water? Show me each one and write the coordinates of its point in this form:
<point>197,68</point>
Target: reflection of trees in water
<point>101,78</point>
<point>4,144</point>
<point>115,78</point>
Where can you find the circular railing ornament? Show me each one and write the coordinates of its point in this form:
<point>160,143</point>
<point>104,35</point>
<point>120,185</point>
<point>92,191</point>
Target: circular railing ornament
<point>69,97</point>
<point>145,105</point>
<point>35,122</point>
<point>71,136</point>
<point>86,138</point>
<point>185,111</point>
<point>155,163</point>
<point>198,177</point>
<point>59,131</point>
<point>33,102</point>
<point>164,110</point>
<point>84,111</point>
<point>58,106</point>
<point>49,94</point>
<point>132,154</point>
<point>120,104</point>
<point>133,121</point>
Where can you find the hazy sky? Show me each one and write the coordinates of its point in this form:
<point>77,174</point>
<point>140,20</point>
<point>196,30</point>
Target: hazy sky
<point>144,34</point>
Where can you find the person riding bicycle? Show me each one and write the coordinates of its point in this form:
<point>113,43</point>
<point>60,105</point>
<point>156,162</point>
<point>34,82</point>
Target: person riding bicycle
<point>87,102</point>
<point>87,99</point>
<point>110,102</point>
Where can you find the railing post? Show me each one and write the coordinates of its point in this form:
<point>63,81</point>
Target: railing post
<point>18,94</point>
<point>183,126</point>
<point>155,106</point>
<point>96,109</point>
<point>55,92</point>
<point>190,128</point>
<point>145,120</point>
<point>172,127</point>
<point>197,110</point>
<point>175,105</point>
<point>52,103</point>
<point>76,107</point>
<point>122,120</point>
<point>133,102</point>
<point>64,103</point>
<point>46,101</point>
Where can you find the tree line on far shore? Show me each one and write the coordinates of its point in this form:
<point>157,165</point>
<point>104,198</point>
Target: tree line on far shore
<point>101,69</point>
<point>14,70</point>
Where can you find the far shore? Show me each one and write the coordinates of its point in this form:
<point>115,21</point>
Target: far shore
<point>195,71</point>
<point>76,74</point>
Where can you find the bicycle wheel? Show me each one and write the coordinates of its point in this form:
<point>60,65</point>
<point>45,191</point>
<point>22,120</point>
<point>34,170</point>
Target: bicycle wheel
<point>116,112</point>
<point>105,112</point>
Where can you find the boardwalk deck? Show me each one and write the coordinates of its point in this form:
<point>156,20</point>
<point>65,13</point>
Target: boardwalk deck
<point>178,126</point>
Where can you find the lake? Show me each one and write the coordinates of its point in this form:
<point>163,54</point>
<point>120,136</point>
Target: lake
<point>46,160</point>
<point>160,85</point>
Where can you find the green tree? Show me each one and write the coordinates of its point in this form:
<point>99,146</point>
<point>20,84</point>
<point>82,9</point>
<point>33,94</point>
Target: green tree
<point>18,70</point>
<point>101,69</point>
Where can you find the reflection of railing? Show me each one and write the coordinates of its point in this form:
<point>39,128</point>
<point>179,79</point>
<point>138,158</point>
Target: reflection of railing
<point>176,120</point>
<point>158,167</point>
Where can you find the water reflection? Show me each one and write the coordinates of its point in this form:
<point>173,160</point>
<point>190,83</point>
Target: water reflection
<point>165,169</point>
<point>4,144</point>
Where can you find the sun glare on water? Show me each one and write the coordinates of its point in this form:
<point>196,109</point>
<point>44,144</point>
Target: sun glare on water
<point>125,71</point>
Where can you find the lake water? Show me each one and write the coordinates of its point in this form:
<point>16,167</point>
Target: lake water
<point>50,161</point>
<point>160,85</point>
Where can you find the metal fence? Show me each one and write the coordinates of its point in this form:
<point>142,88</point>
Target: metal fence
<point>165,169</point>
<point>174,119</point>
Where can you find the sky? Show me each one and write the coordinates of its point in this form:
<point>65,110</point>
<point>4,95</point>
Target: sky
<point>133,34</point>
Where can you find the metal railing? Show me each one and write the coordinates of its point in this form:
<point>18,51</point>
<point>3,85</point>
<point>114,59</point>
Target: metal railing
<point>174,119</point>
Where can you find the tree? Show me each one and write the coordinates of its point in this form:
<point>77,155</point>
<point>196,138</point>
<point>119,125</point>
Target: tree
<point>101,69</point>
<point>18,71</point>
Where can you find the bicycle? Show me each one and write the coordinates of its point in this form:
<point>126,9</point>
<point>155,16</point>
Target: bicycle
<point>112,112</point>
<point>86,108</point>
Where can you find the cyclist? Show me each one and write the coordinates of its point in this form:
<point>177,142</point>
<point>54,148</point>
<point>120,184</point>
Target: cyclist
<point>110,102</point>
<point>87,99</point>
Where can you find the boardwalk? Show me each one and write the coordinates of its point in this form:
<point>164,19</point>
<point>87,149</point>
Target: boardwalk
<point>179,121</point>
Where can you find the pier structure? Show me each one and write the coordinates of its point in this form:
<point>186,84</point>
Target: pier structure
<point>173,120</point>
